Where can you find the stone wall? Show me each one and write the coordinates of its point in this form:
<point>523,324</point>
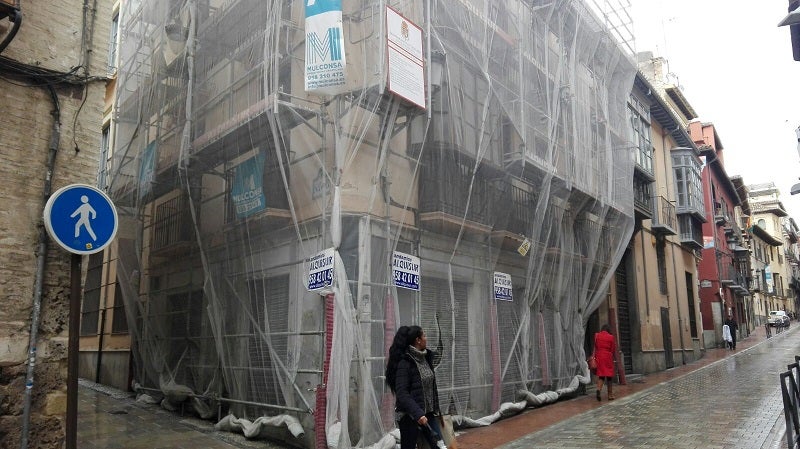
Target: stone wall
<point>50,37</point>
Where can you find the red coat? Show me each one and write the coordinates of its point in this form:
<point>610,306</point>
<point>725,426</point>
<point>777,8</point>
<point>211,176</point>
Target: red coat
<point>605,350</point>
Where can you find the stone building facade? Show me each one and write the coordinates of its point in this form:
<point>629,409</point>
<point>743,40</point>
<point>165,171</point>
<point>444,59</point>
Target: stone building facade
<point>52,81</point>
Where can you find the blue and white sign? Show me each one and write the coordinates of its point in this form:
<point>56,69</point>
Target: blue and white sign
<point>503,290</point>
<point>320,270</point>
<point>81,219</point>
<point>405,270</point>
<point>325,61</point>
<point>247,191</point>
<point>768,279</point>
<point>147,170</point>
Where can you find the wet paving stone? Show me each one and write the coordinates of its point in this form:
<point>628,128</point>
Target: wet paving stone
<point>732,403</point>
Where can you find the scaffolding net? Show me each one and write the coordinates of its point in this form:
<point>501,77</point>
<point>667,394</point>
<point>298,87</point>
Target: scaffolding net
<point>296,180</point>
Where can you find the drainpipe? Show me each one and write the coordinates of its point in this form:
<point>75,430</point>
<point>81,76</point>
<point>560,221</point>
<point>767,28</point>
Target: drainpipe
<point>55,139</point>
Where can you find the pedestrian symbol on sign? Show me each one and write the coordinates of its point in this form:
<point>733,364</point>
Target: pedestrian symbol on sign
<point>84,210</point>
<point>81,219</point>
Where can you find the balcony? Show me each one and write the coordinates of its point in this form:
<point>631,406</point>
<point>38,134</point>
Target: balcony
<point>734,281</point>
<point>720,217</point>
<point>642,198</point>
<point>448,197</point>
<point>173,228</point>
<point>664,220</point>
<point>691,231</point>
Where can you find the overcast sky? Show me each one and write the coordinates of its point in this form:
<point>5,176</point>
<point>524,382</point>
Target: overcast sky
<point>736,69</point>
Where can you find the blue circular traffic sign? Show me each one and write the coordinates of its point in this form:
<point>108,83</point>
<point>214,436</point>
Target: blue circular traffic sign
<point>81,219</point>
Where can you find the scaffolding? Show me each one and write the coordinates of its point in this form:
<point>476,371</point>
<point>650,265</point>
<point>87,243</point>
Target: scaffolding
<point>231,179</point>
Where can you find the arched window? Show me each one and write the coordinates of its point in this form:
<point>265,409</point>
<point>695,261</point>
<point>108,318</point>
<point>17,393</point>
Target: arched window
<point>762,223</point>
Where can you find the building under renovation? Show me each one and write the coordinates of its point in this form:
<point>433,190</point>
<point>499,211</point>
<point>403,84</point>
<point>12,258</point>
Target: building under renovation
<point>296,180</point>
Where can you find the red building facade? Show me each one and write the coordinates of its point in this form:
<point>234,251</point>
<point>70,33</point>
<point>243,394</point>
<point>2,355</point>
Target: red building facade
<point>723,281</point>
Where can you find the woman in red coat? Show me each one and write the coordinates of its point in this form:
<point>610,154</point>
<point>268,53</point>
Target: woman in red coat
<point>605,352</point>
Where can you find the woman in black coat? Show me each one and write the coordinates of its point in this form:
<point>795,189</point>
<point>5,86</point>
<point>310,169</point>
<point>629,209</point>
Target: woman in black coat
<point>410,375</point>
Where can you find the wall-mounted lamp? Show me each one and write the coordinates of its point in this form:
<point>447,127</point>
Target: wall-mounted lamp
<point>437,65</point>
<point>176,32</point>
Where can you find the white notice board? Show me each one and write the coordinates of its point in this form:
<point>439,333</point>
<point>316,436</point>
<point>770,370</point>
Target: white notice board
<point>406,64</point>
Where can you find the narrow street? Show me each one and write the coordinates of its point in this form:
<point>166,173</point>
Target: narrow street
<point>727,401</point>
<point>732,403</point>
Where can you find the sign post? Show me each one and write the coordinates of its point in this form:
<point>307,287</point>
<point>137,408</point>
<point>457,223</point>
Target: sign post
<point>82,220</point>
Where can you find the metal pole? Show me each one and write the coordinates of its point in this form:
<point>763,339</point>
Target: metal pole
<point>72,351</point>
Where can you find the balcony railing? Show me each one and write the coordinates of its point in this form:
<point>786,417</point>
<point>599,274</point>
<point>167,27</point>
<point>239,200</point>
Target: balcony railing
<point>734,280</point>
<point>172,224</point>
<point>447,192</point>
<point>642,198</point>
<point>691,231</point>
<point>523,205</point>
<point>664,219</point>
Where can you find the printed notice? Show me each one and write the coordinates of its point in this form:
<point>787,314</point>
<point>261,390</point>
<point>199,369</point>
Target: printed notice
<point>320,270</point>
<point>405,271</point>
<point>503,290</point>
<point>406,65</point>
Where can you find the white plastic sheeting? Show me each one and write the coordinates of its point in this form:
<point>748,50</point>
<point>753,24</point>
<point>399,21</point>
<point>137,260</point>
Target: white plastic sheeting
<point>230,177</point>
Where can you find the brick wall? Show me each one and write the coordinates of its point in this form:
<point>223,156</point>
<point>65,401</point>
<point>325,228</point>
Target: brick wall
<point>50,37</point>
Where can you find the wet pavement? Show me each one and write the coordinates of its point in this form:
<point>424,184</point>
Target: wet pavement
<point>726,399</point>
<point>112,419</point>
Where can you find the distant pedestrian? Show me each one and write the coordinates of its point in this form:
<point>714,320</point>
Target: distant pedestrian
<point>732,327</point>
<point>726,336</point>
<point>605,352</point>
<point>410,376</point>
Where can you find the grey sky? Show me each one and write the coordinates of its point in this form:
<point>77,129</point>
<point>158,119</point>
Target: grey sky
<point>736,69</point>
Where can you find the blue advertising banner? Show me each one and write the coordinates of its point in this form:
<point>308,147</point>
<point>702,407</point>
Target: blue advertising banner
<point>325,60</point>
<point>405,271</point>
<point>247,191</point>
<point>147,169</point>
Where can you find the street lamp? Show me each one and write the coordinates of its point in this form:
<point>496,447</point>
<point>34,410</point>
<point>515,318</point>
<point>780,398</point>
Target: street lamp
<point>793,21</point>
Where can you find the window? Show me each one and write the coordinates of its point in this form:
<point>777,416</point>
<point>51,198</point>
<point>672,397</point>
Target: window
<point>112,44</point>
<point>119,322</point>
<point>639,116</point>
<point>762,223</point>
<point>269,306</point>
<point>661,245</point>
<point>688,185</point>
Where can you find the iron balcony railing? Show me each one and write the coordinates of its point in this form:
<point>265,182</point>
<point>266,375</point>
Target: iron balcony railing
<point>790,391</point>
<point>446,184</point>
<point>691,231</point>
<point>172,223</point>
<point>664,218</point>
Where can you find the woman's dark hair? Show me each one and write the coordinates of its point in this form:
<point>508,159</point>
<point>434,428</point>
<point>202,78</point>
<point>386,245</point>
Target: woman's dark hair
<point>606,328</point>
<point>405,336</point>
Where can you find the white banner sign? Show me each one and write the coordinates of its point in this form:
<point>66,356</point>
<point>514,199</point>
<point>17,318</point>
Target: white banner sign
<point>406,64</point>
<point>503,290</point>
<point>405,271</point>
<point>325,61</point>
<point>320,270</point>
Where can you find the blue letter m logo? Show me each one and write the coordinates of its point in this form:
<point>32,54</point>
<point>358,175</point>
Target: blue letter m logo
<point>317,51</point>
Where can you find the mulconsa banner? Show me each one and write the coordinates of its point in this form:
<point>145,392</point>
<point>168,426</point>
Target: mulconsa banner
<point>325,61</point>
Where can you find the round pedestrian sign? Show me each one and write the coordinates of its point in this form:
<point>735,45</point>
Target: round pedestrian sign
<point>81,219</point>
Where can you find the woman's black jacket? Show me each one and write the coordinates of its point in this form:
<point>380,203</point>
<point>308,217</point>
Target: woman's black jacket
<point>408,386</point>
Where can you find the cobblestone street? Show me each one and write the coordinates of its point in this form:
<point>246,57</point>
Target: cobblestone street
<point>732,403</point>
<point>726,400</point>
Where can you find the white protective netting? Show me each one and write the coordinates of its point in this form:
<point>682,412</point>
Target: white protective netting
<point>229,177</point>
